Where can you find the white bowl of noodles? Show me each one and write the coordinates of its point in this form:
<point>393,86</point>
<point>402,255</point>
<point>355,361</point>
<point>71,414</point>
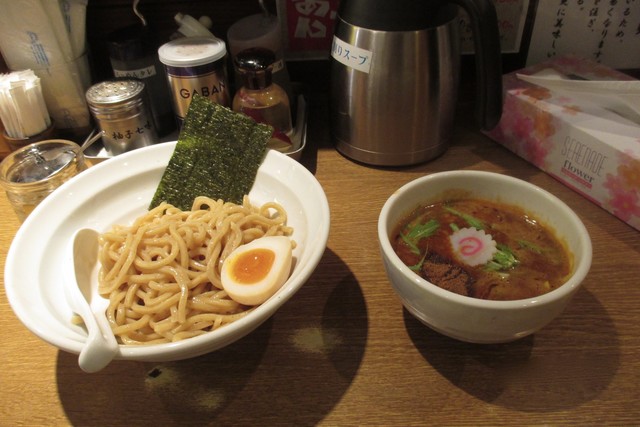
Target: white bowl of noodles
<point>473,291</point>
<point>118,191</point>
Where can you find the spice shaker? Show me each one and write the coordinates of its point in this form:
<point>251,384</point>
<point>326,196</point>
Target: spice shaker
<point>262,99</point>
<point>133,52</point>
<point>32,172</point>
<point>120,109</point>
<point>195,65</point>
<point>261,30</point>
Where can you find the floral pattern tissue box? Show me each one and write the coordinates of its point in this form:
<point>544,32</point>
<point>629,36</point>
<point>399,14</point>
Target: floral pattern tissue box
<point>587,139</point>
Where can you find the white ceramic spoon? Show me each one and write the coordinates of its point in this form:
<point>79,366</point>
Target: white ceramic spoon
<point>101,345</point>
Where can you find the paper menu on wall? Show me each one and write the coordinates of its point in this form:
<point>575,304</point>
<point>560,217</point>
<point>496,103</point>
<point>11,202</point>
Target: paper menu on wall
<point>607,31</point>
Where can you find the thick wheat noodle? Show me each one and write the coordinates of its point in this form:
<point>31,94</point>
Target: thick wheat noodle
<point>162,274</point>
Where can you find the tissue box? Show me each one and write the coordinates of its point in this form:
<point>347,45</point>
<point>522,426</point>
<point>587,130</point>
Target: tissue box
<point>586,146</point>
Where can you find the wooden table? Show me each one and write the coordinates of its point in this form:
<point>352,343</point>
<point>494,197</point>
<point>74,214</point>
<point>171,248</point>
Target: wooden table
<point>344,352</point>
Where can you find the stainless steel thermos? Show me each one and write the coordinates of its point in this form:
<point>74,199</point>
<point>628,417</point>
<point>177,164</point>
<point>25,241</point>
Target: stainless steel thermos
<point>395,69</point>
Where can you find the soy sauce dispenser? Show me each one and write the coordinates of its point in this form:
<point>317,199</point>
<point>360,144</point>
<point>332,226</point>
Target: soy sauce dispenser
<point>262,99</point>
<point>133,54</point>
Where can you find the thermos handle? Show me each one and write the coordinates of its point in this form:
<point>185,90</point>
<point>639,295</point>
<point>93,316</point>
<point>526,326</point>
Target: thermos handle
<point>484,23</point>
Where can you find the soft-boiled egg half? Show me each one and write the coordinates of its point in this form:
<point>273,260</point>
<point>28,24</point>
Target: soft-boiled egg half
<point>253,272</point>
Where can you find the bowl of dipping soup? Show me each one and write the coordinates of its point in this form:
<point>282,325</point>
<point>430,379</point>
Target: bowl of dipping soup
<point>482,257</point>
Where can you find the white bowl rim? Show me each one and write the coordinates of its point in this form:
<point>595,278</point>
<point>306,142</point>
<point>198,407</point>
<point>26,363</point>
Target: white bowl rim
<point>180,349</point>
<point>569,287</point>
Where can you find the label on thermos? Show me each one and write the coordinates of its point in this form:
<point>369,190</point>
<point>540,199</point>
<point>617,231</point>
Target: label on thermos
<point>350,55</point>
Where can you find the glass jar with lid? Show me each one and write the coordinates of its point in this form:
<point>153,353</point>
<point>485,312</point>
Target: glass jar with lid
<point>30,174</point>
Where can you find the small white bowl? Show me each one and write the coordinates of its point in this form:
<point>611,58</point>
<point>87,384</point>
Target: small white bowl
<point>471,319</point>
<point>119,190</point>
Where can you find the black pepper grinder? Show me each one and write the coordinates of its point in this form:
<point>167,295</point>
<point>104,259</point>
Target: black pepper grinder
<point>262,99</point>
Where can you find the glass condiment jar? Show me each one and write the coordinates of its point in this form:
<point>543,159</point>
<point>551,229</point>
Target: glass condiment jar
<point>262,99</point>
<point>31,173</point>
<point>262,30</point>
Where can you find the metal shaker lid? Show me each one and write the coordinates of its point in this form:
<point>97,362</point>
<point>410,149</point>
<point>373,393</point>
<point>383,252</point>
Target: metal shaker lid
<point>192,51</point>
<point>114,92</point>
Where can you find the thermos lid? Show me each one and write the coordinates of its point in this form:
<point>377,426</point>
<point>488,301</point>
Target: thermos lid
<point>398,15</point>
<point>192,51</point>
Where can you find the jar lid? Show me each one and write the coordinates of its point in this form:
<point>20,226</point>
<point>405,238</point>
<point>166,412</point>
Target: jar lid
<point>192,51</point>
<point>114,91</point>
<point>38,162</point>
<point>255,66</point>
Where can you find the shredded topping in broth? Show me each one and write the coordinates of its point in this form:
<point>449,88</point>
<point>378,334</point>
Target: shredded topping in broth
<point>482,249</point>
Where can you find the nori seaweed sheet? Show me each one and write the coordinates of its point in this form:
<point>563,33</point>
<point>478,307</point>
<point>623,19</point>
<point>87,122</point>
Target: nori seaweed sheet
<point>217,155</point>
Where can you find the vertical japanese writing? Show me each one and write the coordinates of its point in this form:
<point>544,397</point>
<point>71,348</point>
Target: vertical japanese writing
<point>607,31</point>
<point>556,31</point>
<point>623,22</point>
<point>593,14</point>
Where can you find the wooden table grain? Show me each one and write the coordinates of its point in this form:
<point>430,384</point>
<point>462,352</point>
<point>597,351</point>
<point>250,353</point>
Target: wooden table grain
<point>344,352</point>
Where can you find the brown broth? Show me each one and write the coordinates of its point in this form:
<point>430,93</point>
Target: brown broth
<point>543,262</point>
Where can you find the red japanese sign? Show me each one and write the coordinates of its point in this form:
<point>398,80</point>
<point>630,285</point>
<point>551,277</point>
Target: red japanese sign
<point>309,25</point>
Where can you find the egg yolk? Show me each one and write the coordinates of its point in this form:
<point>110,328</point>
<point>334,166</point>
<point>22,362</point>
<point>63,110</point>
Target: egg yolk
<point>252,266</point>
